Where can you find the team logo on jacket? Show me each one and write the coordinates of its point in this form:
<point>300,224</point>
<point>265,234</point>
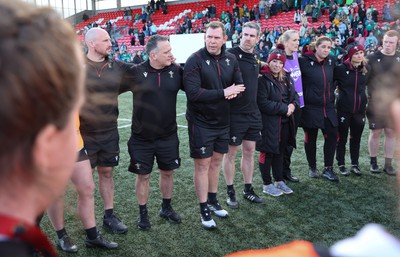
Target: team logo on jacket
<point>208,62</point>
<point>145,74</point>
<point>171,74</point>
<point>379,60</point>
<point>240,56</point>
<point>234,139</point>
<point>398,59</point>
<point>330,62</point>
<point>137,166</point>
<point>342,119</point>
<point>109,65</point>
<point>227,61</point>
<point>347,72</point>
<point>203,150</point>
<point>312,63</point>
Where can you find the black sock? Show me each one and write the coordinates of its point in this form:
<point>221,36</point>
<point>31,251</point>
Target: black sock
<point>373,160</point>
<point>166,203</point>
<point>203,206</point>
<point>60,233</point>
<point>108,213</point>
<point>247,187</point>
<point>91,233</point>
<point>142,208</point>
<point>212,197</point>
<point>388,162</point>
<point>229,188</point>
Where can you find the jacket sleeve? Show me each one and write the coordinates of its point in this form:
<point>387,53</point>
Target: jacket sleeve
<point>127,77</point>
<point>192,84</point>
<point>264,101</point>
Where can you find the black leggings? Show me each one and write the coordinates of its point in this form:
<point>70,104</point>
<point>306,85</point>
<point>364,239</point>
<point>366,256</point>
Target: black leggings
<point>274,161</point>
<point>356,124</point>
<point>310,144</point>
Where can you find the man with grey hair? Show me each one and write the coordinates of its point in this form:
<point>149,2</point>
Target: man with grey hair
<point>245,117</point>
<point>155,84</point>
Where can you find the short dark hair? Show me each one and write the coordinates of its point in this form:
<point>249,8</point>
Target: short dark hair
<point>152,42</point>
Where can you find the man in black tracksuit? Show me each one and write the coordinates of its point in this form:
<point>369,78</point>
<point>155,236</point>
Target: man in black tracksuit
<point>245,120</point>
<point>154,85</point>
<point>211,77</point>
<point>319,111</point>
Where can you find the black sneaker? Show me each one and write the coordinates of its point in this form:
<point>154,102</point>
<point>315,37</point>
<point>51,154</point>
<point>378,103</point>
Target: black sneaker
<point>231,200</point>
<point>100,242</point>
<point>252,197</point>
<point>143,222</point>
<point>389,170</point>
<point>374,168</point>
<point>313,173</point>
<point>217,209</point>
<point>65,244</point>
<point>114,225</point>
<point>343,170</point>
<point>206,220</point>
<point>356,170</point>
<point>330,175</point>
<point>169,214</point>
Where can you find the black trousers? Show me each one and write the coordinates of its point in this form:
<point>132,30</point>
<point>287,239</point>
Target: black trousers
<point>287,155</point>
<point>274,161</point>
<point>355,122</point>
<point>310,144</point>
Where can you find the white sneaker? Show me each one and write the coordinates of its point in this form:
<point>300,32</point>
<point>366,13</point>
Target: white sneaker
<point>272,190</point>
<point>283,187</point>
<point>206,221</point>
<point>217,209</point>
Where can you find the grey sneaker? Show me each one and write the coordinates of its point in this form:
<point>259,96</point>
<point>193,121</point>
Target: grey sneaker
<point>356,170</point>
<point>283,187</point>
<point>313,173</point>
<point>272,190</point>
<point>65,243</point>
<point>231,200</point>
<point>343,170</point>
<point>389,170</point>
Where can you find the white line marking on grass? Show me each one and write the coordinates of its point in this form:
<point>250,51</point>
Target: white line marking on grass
<point>182,126</point>
<point>180,114</point>
<point>122,119</point>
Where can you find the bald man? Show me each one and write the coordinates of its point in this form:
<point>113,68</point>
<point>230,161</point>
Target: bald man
<point>99,119</point>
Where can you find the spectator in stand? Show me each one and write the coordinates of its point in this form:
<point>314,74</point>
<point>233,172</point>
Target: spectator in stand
<point>369,23</point>
<point>337,51</point>
<point>133,40</point>
<point>319,106</point>
<point>303,29</point>
<point>213,11</point>
<point>362,12</point>
<point>322,28</point>
<point>263,51</point>
<point>371,41</point>
<point>235,38</point>
<point>360,40</point>
<point>114,45</point>
<point>297,17</point>
<point>141,37</point>
<point>153,29</point>
<point>387,16</point>
<point>137,57</point>
<point>351,79</point>
<point>373,12</point>
<point>305,40</point>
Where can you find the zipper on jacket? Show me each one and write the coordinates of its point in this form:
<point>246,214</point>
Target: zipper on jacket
<point>97,71</point>
<point>323,73</point>
<point>219,68</point>
<point>159,80</point>
<point>355,93</point>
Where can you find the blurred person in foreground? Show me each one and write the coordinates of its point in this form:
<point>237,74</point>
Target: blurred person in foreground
<point>37,130</point>
<point>372,240</point>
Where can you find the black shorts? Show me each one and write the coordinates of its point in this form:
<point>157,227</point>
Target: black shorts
<point>82,155</point>
<point>142,153</point>
<point>102,148</point>
<point>204,141</point>
<point>245,127</point>
<point>375,122</point>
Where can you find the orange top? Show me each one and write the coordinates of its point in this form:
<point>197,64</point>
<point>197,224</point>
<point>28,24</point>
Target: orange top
<point>79,144</point>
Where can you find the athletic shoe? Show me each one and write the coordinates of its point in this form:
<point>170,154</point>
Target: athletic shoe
<point>374,168</point>
<point>313,173</point>
<point>283,187</point>
<point>143,222</point>
<point>330,175</point>
<point>252,197</point>
<point>390,170</point>
<point>114,225</point>
<point>343,170</point>
<point>206,220</point>
<point>169,214</point>
<point>216,208</point>
<point>65,244</point>
<point>100,242</point>
<point>272,190</point>
<point>291,178</point>
<point>356,170</point>
<point>231,200</point>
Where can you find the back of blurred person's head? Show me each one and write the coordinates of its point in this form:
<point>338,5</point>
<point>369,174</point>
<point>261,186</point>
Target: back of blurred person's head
<point>41,85</point>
